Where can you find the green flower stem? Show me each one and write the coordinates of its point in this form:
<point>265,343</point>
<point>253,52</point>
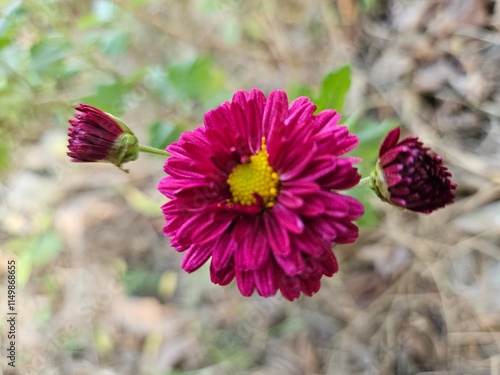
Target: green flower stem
<point>153,150</point>
<point>365,181</point>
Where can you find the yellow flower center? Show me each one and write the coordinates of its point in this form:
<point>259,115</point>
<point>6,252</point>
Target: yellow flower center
<point>254,177</point>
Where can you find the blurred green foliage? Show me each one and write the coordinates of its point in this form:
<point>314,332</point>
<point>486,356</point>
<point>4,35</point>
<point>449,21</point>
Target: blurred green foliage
<point>370,134</point>
<point>332,91</point>
<point>162,133</point>
<point>54,55</point>
<point>198,80</point>
<point>45,69</point>
<point>34,251</point>
<point>331,94</point>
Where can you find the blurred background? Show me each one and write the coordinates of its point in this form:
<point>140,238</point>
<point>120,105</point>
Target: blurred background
<point>99,289</point>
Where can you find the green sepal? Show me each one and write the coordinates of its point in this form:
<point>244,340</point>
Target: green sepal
<point>120,123</point>
<point>125,149</point>
<point>378,183</point>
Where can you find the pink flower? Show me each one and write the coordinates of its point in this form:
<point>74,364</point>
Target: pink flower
<point>98,136</point>
<point>407,175</point>
<point>255,191</point>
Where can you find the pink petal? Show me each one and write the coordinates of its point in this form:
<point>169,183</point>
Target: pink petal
<point>314,205</point>
<point>289,287</point>
<point>275,112</point>
<point>221,276</point>
<point>294,163</point>
<point>223,251</point>
<point>289,219</point>
<point>389,141</point>
<point>310,286</point>
<point>195,257</point>
<point>292,263</point>
<point>265,280</point>
<point>299,188</point>
<point>277,236</point>
<point>252,248</point>
<point>246,282</point>
<point>290,200</point>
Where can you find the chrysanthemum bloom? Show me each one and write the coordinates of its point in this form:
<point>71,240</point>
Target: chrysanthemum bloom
<point>98,136</point>
<point>407,175</point>
<point>255,191</point>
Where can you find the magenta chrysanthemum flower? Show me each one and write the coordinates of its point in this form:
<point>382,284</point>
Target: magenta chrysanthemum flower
<point>255,191</point>
<point>98,136</point>
<point>407,175</point>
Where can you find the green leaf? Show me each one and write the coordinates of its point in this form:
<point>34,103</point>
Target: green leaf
<point>162,133</point>
<point>352,120</point>
<point>4,42</point>
<point>43,315</point>
<point>231,31</point>
<point>187,78</point>
<point>34,251</point>
<point>103,341</point>
<point>88,21</point>
<point>109,97</point>
<point>15,62</point>
<point>24,268</point>
<point>45,248</point>
<point>10,17</point>
<point>370,134</point>
<point>334,89</point>
<point>199,80</point>
<point>5,148</point>
<point>363,194</point>
<point>141,282</point>
<point>209,6</point>
<point>370,4</point>
<point>142,203</point>
<point>47,56</point>
<point>297,90</point>
<point>139,3</point>
<point>115,43</point>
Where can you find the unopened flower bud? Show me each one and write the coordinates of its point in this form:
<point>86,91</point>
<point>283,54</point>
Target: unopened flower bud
<point>98,136</point>
<point>407,175</point>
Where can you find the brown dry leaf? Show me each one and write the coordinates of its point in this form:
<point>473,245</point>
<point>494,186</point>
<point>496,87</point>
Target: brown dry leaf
<point>417,344</point>
<point>173,350</point>
<point>391,66</point>
<point>305,350</point>
<point>281,358</point>
<point>472,86</point>
<point>421,47</point>
<point>479,220</point>
<point>453,14</point>
<point>365,287</point>
<point>387,261</point>
<point>409,16</point>
<point>431,78</point>
<point>476,277</point>
<point>495,22</point>
<point>167,339</point>
<point>347,10</point>
<point>86,294</point>
<point>140,315</point>
<point>75,215</point>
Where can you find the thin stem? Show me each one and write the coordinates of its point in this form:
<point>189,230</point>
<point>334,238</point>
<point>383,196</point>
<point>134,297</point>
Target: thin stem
<point>364,181</point>
<point>153,150</point>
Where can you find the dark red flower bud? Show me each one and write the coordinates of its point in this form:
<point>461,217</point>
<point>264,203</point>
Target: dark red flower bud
<point>407,175</point>
<point>98,136</point>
